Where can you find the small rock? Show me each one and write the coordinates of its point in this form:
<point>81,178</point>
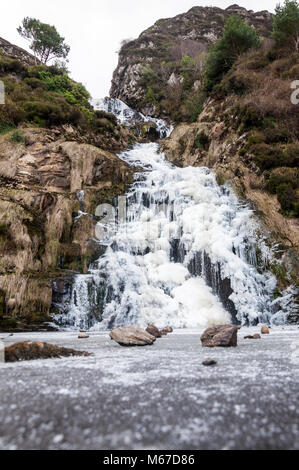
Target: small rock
<point>265,330</point>
<point>154,331</point>
<point>83,336</point>
<point>166,330</point>
<point>209,362</point>
<point>132,336</point>
<point>27,351</point>
<point>255,336</point>
<point>221,335</point>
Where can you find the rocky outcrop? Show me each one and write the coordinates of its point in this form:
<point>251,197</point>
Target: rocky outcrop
<point>16,53</point>
<point>132,336</point>
<point>28,351</point>
<point>223,336</point>
<point>167,41</point>
<point>47,224</point>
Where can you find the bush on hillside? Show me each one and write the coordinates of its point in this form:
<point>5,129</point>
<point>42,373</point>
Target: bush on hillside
<point>238,37</point>
<point>286,24</point>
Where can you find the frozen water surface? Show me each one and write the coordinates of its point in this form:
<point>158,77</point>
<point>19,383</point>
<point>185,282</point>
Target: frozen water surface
<point>156,397</point>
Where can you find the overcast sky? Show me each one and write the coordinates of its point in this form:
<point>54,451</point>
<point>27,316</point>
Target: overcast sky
<point>95,28</point>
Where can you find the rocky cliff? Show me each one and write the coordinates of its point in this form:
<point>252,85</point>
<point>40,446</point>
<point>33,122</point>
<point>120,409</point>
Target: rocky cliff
<point>54,171</point>
<point>16,53</point>
<point>152,63</point>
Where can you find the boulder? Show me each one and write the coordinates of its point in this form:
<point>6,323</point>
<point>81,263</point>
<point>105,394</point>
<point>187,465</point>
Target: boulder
<point>222,335</point>
<point>265,330</point>
<point>83,335</point>
<point>132,336</point>
<point>209,362</point>
<point>28,351</point>
<point>255,336</point>
<point>166,330</point>
<point>154,331</point>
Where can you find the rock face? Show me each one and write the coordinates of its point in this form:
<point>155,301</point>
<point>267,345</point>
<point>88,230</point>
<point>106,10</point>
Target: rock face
<point>15,52</point>
<point>46,228</point>
<point>168,40</point>
<point>154,331</point>
<point>223,335</point>
<point>28,351</point>
<point>132,336</point>
<point>51,182</point>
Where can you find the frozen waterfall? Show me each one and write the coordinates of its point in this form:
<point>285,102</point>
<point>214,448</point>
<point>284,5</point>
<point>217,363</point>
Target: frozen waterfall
<point>181,250</point>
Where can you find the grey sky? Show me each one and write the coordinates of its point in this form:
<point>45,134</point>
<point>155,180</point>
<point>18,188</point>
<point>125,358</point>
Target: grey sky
<point>95,28</point>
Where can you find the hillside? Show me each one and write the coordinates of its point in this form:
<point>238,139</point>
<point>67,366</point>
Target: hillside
<point>160,72</point>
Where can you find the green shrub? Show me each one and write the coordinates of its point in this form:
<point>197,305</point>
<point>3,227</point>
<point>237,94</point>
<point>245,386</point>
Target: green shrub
<point>12,66</point>
<point>283,175</point>
<point>102,114</point>
<point>5,128</point>
<point>202,141</point>
<point>17,137</point>
<point>286,196</point>
<point>238,37</point>
<point>267,156</point>
<point>248,117</point>
<point>286,24</point>
<point>34,83</point>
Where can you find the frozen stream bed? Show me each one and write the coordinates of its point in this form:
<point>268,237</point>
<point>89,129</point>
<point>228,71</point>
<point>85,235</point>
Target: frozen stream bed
<point>157,397</point>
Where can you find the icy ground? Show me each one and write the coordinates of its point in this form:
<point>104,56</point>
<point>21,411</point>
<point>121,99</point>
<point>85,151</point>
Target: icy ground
<point>157,397</point>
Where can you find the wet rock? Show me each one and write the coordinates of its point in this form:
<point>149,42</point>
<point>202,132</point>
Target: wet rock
<point>265,330</point>
<point>222,335</point>
<point>83,335</point>
<point>132,336</point>
<point>154,331</point>
<point>166,330</point>
<point>256,336</point>
<point>209,362</point>
<point>28,351</point>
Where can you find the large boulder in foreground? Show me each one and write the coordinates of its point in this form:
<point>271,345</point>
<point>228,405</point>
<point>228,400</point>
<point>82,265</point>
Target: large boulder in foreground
<point>28,351</point>
<point>132,336</point>
<point>222,335</point>
<point>154,331</point>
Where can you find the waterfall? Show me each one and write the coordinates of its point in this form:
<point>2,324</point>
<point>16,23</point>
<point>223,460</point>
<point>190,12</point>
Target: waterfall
<point>129,116</point>
<point>187,253</point>
<point>179,250</point>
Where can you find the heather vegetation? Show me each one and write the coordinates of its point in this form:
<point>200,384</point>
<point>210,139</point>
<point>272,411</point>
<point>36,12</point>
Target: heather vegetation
<point>45,96</point>
<point>258,86</point>
<point>237,38</point>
